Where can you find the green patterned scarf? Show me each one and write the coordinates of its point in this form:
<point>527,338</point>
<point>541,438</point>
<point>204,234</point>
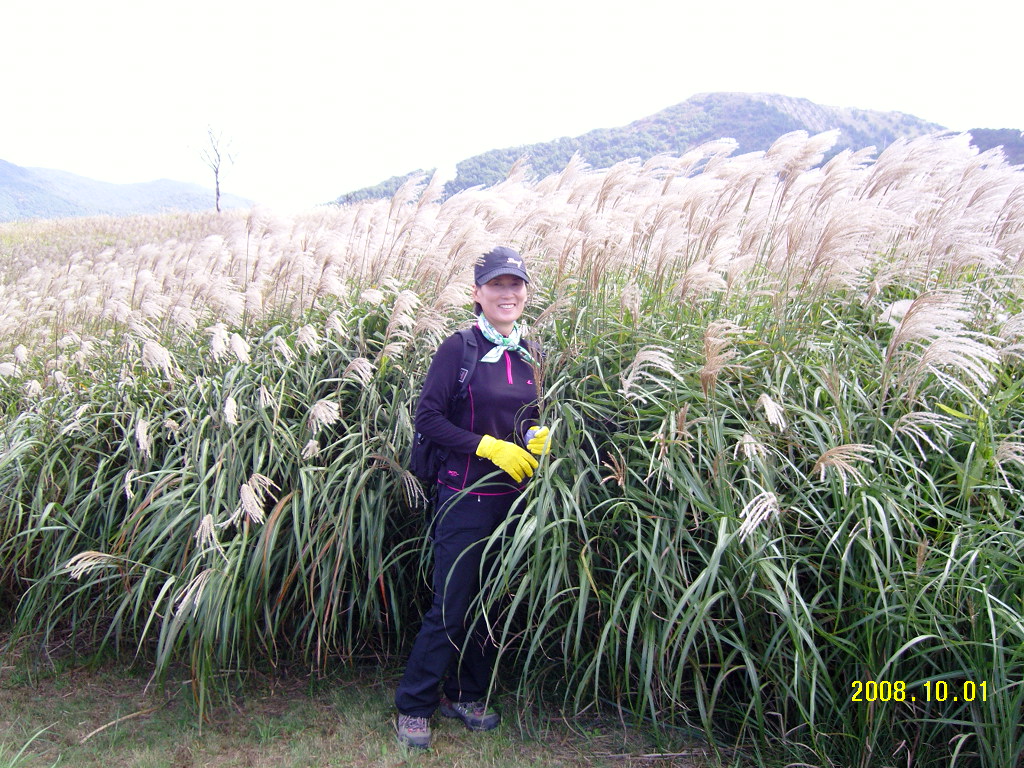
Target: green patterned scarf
<point>510,342</point>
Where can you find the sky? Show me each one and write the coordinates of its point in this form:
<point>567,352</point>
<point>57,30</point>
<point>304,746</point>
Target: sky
<point>314,98</point>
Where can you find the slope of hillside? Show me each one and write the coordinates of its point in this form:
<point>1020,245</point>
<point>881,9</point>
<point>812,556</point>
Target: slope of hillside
<point>754,120</point>
<point>27,193</point>
<point>1011,140</point>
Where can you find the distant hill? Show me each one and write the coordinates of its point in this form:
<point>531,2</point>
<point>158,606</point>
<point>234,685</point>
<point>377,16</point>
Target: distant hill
<point>27,193</point>
<point>1010,139</point>
<point>754,120</point>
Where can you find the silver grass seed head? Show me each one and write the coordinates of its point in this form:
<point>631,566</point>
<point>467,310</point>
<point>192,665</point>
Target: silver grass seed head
<point>230,410</point>
<point>413,489</point>
<point>60,379</point>
<point>1010,449</point>
<point>403,317</point>
<point>1013,350</point>
<point>228,302</point>
<point>81,356</point>
<point>929,316</point>
<point>759,509</point>
<point>324,413</point>
<point>254,303</point>
<point>335,324</point>
<point>773,412</point>
<point>406,303</point>
<point>960,362</point>
<point>699,281</point>
<point>1011,333</point>
<point>142,437</point>
<point>69,340</point>
<point>266,400</point>
<point>394,350</point>
<point>117,310</point>
<point>80,411</point>
<point>184,317</point>
<point>630,299</point>
<point>240,348</point>
<point>455,294</point>
<point>311,449</point>
<point>916,425</point>
<point>796,151</point>
<point>842,459</point>
<point>1012,328</point>
<point>372,296</point>
<point>84,562</point>
<point>137,325</point>
<point>361,369</point>
<point>750,447</point>
<point>250,505</point>
<point>193,593</point>
<point>206,536</point>
<point>155,357</point>
<point>308,338</point>
<point>261,485</point>
<point>648,358</point>
<point>718,335</point>
<point>282,348</point>
<point>219,341</point>
<point>895,312</point>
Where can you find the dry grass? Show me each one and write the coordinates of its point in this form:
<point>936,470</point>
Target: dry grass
<point>103,714</point>
<point>768,221</point>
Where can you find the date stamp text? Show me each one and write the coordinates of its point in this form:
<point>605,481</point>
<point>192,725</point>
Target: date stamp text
<point>868,691</point>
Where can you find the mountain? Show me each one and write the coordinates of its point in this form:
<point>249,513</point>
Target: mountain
<point>1010,140</point>
<point>27,193</point>
<point>754,120</point>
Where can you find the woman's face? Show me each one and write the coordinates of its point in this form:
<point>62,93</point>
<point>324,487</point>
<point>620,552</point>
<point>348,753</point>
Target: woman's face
<point>503,300</point>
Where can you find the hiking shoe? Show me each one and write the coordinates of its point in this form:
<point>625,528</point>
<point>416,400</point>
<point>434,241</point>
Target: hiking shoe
<point>475,715</point>
<point>413,731</point>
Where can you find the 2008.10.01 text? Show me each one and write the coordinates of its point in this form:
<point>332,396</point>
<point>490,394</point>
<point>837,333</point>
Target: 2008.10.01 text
<point>867,691</point>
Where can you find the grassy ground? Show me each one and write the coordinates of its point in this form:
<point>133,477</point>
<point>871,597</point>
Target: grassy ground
<point>90,714</point>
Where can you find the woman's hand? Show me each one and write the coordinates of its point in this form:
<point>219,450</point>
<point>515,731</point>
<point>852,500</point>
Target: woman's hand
<point>507,456</point>
<point>539,442</point>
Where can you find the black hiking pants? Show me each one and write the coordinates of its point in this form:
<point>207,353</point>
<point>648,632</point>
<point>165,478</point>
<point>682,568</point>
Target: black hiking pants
<point>441,652</point>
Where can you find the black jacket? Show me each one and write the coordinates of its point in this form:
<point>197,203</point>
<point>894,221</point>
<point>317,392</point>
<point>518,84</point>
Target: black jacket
<point>501,401</point>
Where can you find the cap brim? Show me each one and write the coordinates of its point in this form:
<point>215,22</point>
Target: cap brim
<point>485,278</point>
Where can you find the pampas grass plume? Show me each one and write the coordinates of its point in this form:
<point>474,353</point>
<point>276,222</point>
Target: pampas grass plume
<point>772,411</point>
<point>759,509</point>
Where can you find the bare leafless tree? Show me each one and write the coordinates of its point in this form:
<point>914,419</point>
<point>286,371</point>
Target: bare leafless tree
<point>214,156</point>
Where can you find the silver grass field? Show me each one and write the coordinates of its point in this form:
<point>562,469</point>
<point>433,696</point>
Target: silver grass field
<point>783,509</point>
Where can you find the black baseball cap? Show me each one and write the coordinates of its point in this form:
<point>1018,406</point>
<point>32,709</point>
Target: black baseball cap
<point>500,261</point>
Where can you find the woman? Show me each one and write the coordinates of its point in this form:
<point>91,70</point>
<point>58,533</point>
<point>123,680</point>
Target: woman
<point>484,472</point>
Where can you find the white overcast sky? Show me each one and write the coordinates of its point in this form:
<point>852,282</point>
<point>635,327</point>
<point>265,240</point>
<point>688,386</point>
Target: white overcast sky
<point>315,98</point>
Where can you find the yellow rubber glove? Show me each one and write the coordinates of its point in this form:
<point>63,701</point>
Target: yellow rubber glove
<point>508,456</point>
<point>540,442</point>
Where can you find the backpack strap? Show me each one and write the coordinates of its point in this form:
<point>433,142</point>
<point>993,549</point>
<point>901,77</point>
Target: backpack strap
<point>469,359</point>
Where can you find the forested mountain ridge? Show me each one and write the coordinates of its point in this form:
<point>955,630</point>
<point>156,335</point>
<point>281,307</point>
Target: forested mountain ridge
<point>754,120</point>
